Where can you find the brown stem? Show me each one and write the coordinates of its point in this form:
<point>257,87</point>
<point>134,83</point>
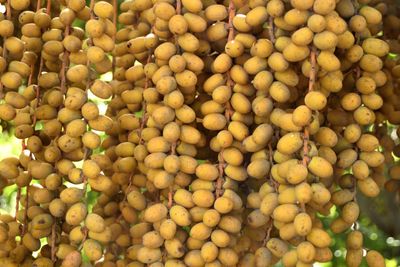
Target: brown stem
<point>306,137</point>
<point>115,16</point>
<point>357,70</point>
<point>220,180</point>
<point>65,63</point>
<point>144,106</point>
<point>126,192</point>
<point>228,111</point>
<point>8,10</point>
<point>25,224</point>
<point>18,199</point>
<point>85,234</point>
<point>53,241</point>
<point>91,9</point>
<point>84,178</point>
<point>313,72</point>
<point>311,84</point>
<point>173,148</point>
<point>268,235</point>
<point>170,197</point>
<point>38,5</point>
<point>303,207</point>
<point>232,11</point>
<point>87,151</point>
<point>271,31</point>
<point>31,74</point>
<point>48,8</point>
<point>171,188</point>
<point>228,108</point>
<point>8,16</point>
<point>36,104</point>
<point>178,7</point>
<point>271,160</point>
<point>88,82</point>
<point>143,123</point>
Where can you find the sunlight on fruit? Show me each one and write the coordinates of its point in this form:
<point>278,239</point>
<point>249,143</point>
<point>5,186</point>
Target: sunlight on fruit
<point>199,133</point>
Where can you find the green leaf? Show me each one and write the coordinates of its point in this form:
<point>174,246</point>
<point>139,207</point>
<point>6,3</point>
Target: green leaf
<point>139,114</point>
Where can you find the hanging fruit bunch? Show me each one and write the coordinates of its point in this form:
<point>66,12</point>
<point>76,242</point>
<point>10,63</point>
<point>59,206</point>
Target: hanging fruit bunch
<point>212,133</point>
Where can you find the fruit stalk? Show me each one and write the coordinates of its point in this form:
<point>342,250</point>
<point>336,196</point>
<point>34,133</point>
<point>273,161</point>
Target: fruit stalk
<point>8,16</point>
<point>178,11</point>
<point>115,17</point>
<point>88,83</point>
<point>228,108</point>
<point>311,84</point>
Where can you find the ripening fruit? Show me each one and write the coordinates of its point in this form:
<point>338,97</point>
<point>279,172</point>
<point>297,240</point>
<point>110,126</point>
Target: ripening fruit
<point>285,212</point>
<point>290,143</point>
<point>296,173</point>
<point>305,252</point>
<point>223,205</point>
<point>220,238</point>
<point>168,229</point>
<point>303,192</point>
<point>148,255</point>
<point>193,6</point>
<point>277,247</point>
<point>73,259</point>
<point>319,238</point>
<point>315,100</point>
<point>181,139</point>
<point>95,223</point>
<point>350,212</point>
<point>269,203</point>
<point>214,121</point>
<point>371,15</point>
<point>203,198</point>
<point>211,218</point>
<point>354,257</point>
<point>302,224</point>
<point>230,224</point>
<point>354,240</point>
<point>180,215</point>
<point>320,167</point>
<point>368,187</point>
<point>200,231</point>
<point>155,213</point>
<point>152,239</point>
<point>92,249</point>
<point>76,214</point>
<point>279,92</point>
<point>207,172</point>
<point>301,116</point>
<point>295,53</point>
<point>374,258</point>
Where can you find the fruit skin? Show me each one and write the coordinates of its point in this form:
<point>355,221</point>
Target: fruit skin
<point>92,249</point>
<point>319,238</point>
<point>320,167</point>
<point>73,259</point>
<point>202,101</point>
<point>277,247</point>
<point>302,224</point>
<point>76,214</point>
<point>374,258</point>
<point>290,143</point>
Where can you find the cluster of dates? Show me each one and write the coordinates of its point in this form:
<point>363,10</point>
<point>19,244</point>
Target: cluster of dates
<point>230,129</point>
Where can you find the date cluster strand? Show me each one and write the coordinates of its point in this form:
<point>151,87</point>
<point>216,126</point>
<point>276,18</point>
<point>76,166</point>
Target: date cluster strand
<point>196,132</point>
